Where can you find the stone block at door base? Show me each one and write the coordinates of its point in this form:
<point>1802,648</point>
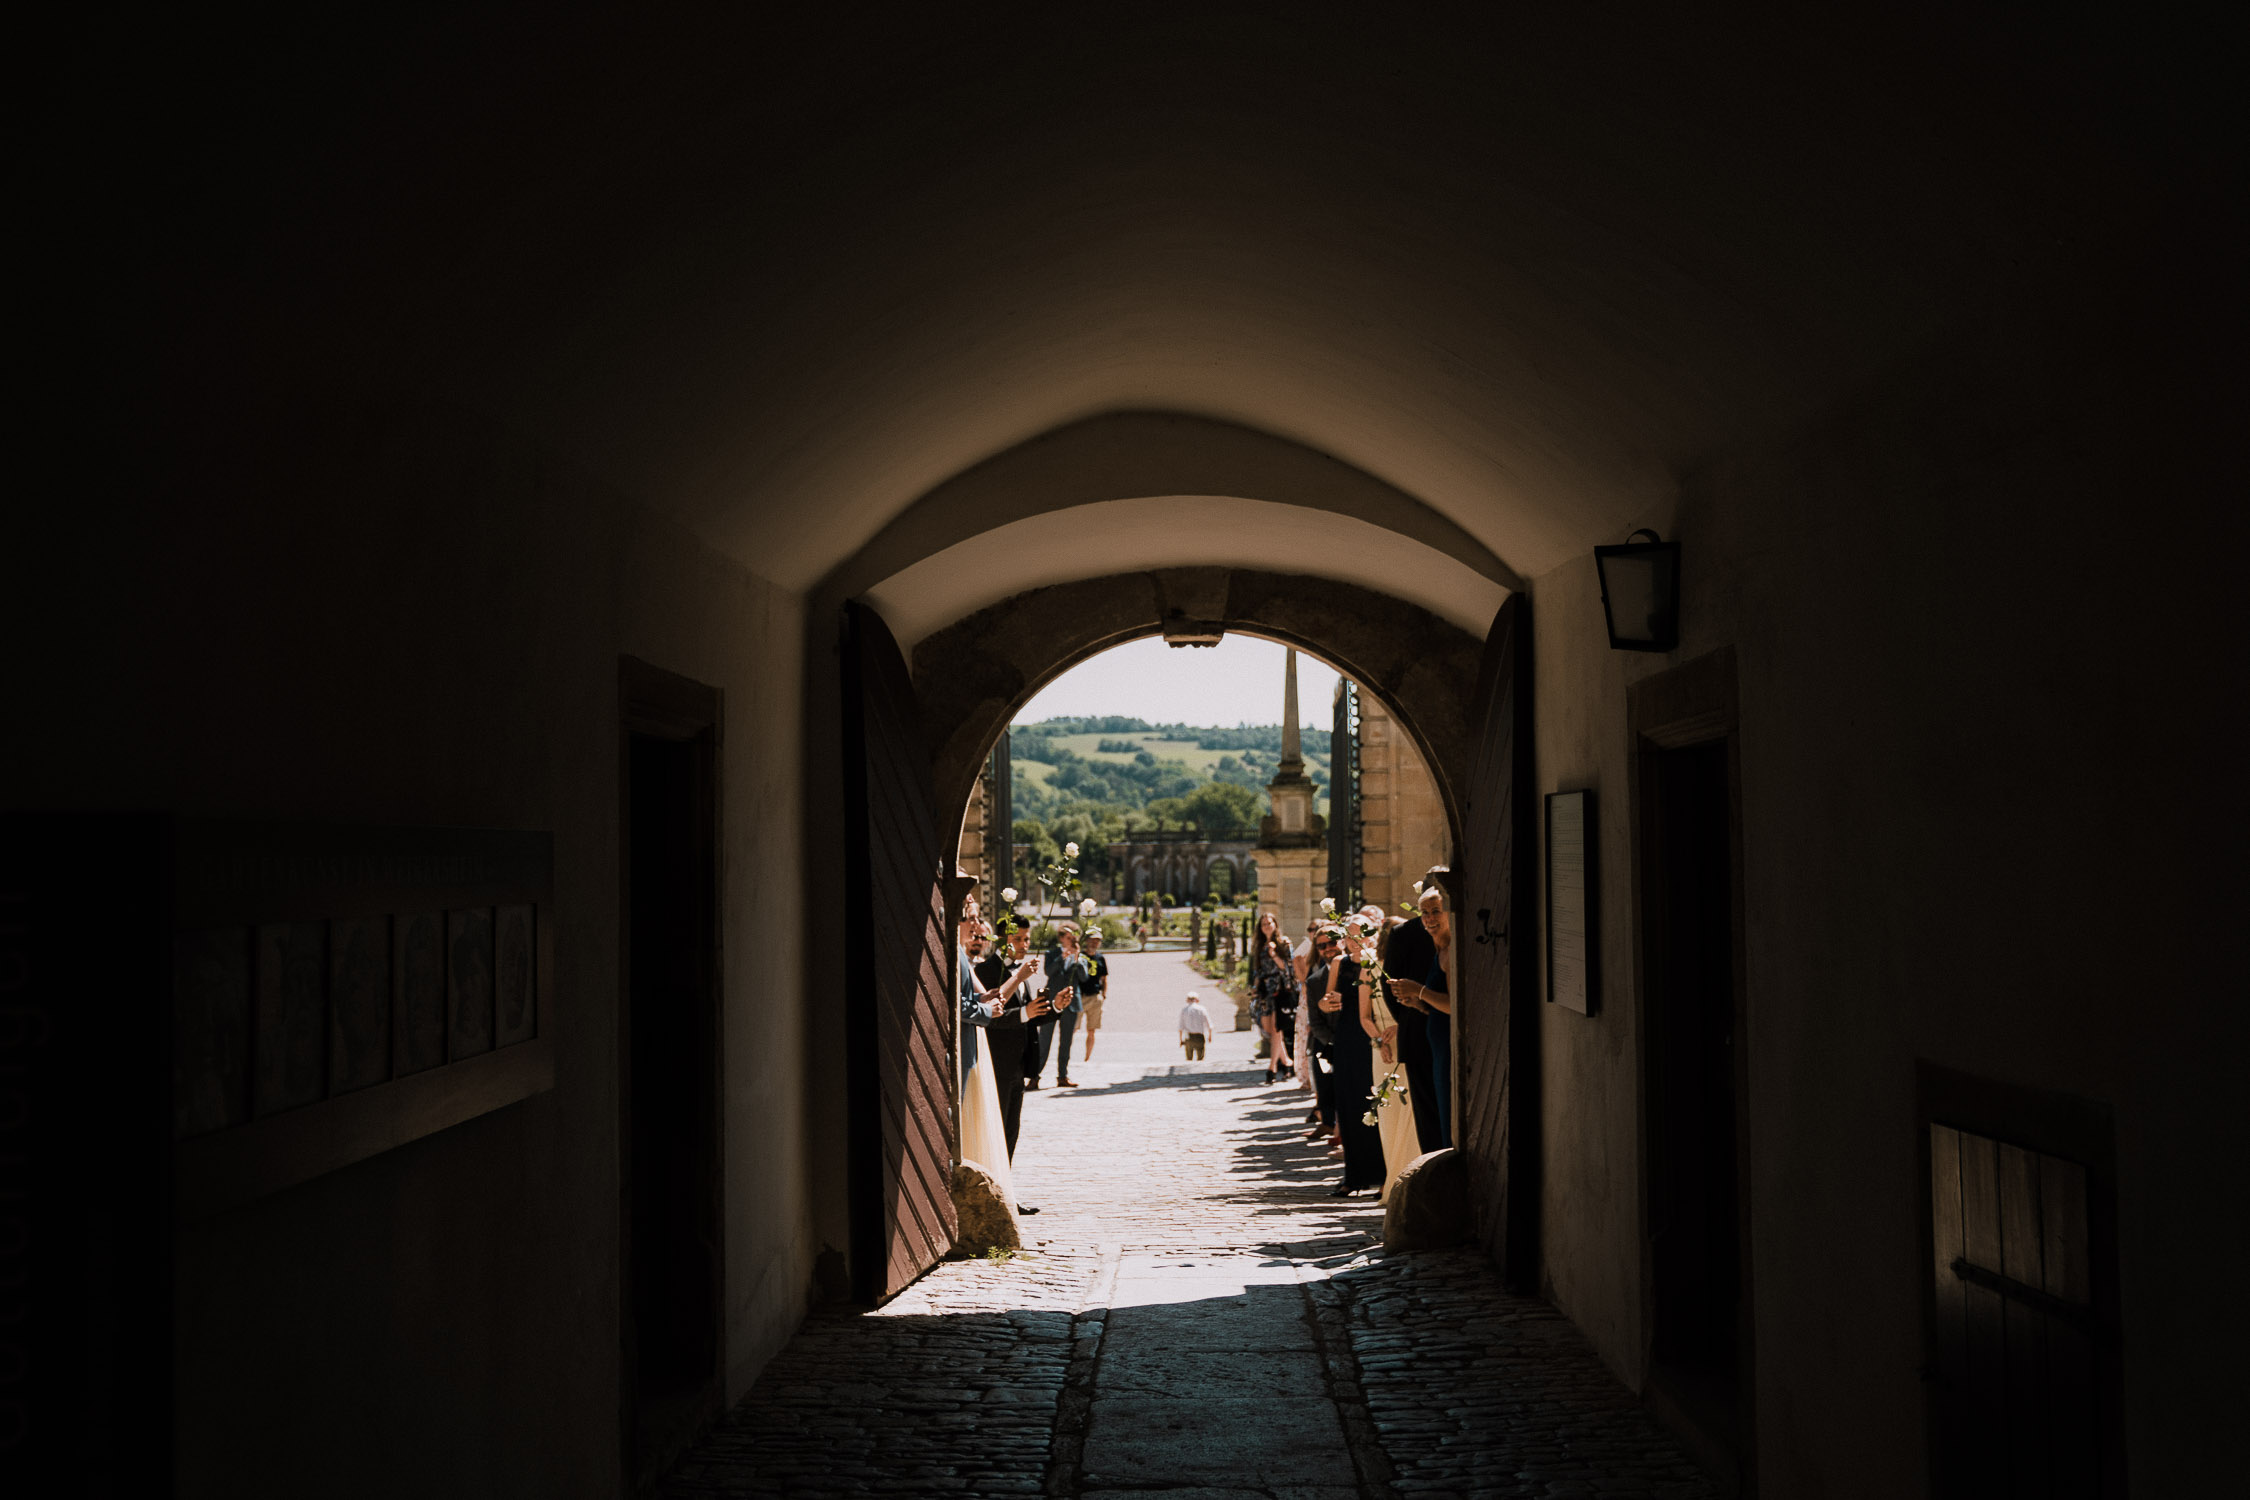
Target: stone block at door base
<point>1428,1208</point>
<point>986,1221</point>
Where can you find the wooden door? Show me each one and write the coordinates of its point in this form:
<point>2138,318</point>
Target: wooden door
<point>898,974</point>
<point>2024,1375</point>
<point>1496,1022</point>
<point>2016,1328</point>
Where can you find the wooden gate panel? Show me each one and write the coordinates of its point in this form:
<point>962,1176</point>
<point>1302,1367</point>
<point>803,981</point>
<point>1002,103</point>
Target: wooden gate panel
<point>1495,1021</point>
<point>898,969</point>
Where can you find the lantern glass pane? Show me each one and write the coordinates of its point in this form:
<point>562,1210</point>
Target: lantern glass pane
<point>1634,595</point>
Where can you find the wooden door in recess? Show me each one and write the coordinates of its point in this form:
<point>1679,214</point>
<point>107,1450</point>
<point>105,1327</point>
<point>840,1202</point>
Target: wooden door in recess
<point>2019,1343</point>
<point>1496,1022</point>
<point>898,974</point>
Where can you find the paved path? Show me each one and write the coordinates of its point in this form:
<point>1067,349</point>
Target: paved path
<point>1195,1319</point>
<point>1141,1017</point>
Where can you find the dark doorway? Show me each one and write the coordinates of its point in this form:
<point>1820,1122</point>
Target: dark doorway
<point>670,1121</point>
<point>1692,1084</point>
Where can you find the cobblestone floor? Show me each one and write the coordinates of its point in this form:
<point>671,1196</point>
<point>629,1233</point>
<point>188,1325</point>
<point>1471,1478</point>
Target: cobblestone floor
<point>1195,1317</point>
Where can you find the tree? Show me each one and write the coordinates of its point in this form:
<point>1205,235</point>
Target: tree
<point>1221,807</point>
<point>1045,847</point>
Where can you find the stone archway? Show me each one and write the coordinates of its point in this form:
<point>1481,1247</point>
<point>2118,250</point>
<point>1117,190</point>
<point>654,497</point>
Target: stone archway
<point>972,676</point>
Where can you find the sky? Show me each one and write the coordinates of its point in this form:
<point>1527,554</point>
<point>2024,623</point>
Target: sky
<point>1235,682</point>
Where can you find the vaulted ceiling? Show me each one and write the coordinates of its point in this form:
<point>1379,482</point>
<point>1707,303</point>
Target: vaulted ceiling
<point>784,277</point>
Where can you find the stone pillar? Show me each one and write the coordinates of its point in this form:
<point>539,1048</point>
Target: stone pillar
<point>1401,817</point>
<point>1290,885</point>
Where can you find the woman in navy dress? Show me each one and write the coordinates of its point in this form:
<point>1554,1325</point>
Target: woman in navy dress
<point>1346,1001</point>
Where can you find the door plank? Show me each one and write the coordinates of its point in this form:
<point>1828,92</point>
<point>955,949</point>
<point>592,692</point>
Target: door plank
<point>2025,1326</point>
<point>1951,1362</point>
<point>1982,1406</point>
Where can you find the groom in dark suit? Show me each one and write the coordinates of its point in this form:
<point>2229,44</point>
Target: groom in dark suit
<point>1008,1035</point>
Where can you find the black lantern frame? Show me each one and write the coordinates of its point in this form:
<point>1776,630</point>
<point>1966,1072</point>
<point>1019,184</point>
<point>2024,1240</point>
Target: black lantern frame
<point>1641,580</point>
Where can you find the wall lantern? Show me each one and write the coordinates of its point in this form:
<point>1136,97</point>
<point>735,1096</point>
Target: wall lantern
<point>1641,592</point>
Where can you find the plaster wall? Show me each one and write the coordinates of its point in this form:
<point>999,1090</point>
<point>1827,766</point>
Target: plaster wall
<point>397,613</point>
<point>1985,684</point>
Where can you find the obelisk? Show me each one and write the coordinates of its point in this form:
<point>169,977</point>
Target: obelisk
<point>1292,852</point>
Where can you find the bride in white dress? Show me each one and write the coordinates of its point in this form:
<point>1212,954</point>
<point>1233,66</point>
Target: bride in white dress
<point>984,1139</point>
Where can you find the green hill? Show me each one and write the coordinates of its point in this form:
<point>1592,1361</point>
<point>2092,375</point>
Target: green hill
<point>1093,780</point>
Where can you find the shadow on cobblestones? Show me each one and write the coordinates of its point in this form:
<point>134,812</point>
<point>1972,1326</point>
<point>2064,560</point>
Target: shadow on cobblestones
<point>1199,1319</point>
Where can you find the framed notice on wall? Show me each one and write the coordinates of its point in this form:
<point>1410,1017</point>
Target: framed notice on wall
<point>1571,980</point>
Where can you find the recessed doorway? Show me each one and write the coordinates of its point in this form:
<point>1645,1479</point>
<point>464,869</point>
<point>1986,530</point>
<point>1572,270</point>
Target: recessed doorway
<point>669,1103</point>
<point>1693,1079</point>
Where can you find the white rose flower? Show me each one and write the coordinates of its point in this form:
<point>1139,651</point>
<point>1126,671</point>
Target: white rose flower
<point>1328,903</point>
<point>1071,850</point>
<point>1369,1119</point>
<point>1008,893</point>
<point>1087,908</point>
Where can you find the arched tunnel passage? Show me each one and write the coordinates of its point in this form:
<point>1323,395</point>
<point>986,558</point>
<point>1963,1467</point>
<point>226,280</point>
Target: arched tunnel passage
<point>1464,702</point>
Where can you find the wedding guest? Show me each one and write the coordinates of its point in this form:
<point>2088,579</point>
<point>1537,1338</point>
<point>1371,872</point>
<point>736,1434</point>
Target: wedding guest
<point>989,983</point>
<point>1434,994</point>
<point>1345,996</point>
<point>1319,1040</point>
<point>1195,1027</point>
<point>1274,991</point>
<point>1407,957</point>
<point>1096,986</point>
<point>1060,974</point>
<point>1393,1109</point>
<point>1066,981</point>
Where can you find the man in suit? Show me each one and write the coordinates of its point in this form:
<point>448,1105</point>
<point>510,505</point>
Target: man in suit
<point>1066,988</point>
<point>990,989</point>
